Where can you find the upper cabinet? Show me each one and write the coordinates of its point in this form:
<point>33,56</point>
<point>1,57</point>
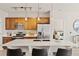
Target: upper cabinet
<point>31,24</point>
<point>43,20</point>
<point>20,20</point>
<point>13,23</point>
<point>10,24</point>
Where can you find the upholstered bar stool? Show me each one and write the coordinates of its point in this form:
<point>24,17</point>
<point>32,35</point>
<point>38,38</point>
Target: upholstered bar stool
<point>14,51</point>
<point>64,52</point>
<point>39,52</point>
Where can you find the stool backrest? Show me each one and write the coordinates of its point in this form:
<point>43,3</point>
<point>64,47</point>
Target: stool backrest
<point>64,52</point>
<point>14,52</point>
<point>39,52</point>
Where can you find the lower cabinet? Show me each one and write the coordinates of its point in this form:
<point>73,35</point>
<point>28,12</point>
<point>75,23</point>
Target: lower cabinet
<point>7,39</point>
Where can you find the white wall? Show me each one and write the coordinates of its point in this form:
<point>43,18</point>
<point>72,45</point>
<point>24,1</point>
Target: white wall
<point>64,16</point>
<point>28,14</point>
<point>58,15</point>
<point>2,19</point>
<point>51,21</point>
<point>2,25</point>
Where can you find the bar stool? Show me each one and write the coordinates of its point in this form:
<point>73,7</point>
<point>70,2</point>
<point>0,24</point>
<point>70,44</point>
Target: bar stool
<point>14,52</point>
<point>39,52</point>
<point>64,52</point>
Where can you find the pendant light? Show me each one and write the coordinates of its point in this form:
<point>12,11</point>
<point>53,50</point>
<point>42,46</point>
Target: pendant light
<point>25,16</point>
<point>38,12</point>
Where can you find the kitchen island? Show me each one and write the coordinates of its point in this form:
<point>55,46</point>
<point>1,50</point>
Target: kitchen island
<point>30,43</point>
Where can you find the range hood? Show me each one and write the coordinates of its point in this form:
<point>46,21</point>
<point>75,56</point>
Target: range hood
<point>19,26</point>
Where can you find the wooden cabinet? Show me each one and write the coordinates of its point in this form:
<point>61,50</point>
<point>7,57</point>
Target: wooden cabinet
<point>43,20</point>
<point>29,24</point>
<point>10,24</point>
<point>7,39</point>
<point>13,27</point>
<point>7,24</point>
<point>20,20</point>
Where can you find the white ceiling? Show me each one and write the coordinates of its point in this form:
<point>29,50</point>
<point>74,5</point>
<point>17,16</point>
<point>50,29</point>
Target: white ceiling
<point>43,7</point>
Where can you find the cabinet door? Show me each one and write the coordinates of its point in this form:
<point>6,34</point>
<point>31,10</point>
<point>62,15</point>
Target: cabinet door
<point>7,24</point>
<point>10,24</point>
<point>21,21</point>
<point>44,20</point>
<point>31,24</point>
<point>7,39</point>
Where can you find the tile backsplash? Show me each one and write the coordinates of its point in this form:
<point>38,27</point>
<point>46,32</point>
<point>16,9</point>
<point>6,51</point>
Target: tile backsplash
<point>14,32</point>
<point>27,32</point>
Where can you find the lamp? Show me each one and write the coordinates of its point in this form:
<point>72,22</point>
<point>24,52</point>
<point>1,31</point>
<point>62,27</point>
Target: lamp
<point>26,15</point>
<point>38,12</point>
<point>38,18</point>
<point>26,18</point>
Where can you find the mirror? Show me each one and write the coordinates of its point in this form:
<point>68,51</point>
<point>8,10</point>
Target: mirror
<point>76,25</point>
